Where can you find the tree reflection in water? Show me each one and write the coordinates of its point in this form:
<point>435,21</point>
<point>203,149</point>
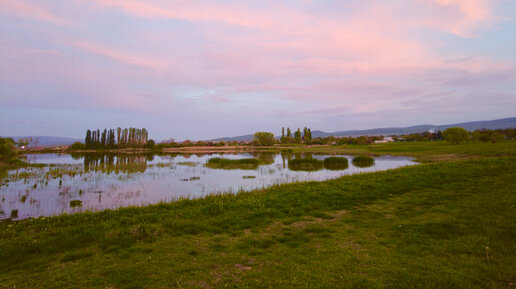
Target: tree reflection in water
<point>116,163</point>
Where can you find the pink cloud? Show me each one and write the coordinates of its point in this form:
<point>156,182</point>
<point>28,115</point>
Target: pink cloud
<point>460,17</point>
<point>119,55</point>
<point>191,11</point>
<point>31,10</point>
<point>286,53</point>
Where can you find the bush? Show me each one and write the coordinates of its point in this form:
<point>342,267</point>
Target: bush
<point>78,146</point>
<point>264,138</point>
<point>488,136</point>
<point>150,144</point>
<point>455,135</point>
<point>8,150</point>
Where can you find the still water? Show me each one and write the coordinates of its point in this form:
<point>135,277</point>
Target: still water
<point>93,182</point>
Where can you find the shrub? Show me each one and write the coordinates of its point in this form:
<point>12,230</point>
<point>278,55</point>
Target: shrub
<point>455,135</point>
<point>8,150</point>
<point>150,144</point>
<point>78,146</point>
<point>264,138</point>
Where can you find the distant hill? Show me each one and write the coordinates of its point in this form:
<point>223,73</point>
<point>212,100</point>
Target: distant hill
<point>246,137</point>
<point>47,141</point>
<point>488,124</point>
<point>473,125</point>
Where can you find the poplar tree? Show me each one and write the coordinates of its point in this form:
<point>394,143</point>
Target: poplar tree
<point>97,142</point>
<point>118,132</point>
<point>111,139</point>
<point>297,136</point>
<point>87,140</point>
<point>103,139</point>
<point>307,136</point>
<point>289,135</point>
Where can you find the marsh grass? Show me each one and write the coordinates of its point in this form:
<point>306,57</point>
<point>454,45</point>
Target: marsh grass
<point>189,164</point>
<point>309,165</point>
<point>229,164</point>
<point>336,163</point>
<point>425,226</point>
<point>363,161</point>
<point>14,214</point>
<point>75,203</point>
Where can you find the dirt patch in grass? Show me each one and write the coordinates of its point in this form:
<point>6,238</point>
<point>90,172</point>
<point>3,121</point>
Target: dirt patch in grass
<point>308,220</point>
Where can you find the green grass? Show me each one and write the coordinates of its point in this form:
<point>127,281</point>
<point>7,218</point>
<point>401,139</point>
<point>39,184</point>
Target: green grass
<point>229,164</point>
<point>429,151</point>
<point>305,165</point>
<point>435,225</point>
<point>363,161</point>
<point>336,163</point>
<point>189,164</point>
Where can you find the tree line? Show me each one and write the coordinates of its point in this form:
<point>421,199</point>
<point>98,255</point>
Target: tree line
<point>119,138</point>
<point>305,137</point>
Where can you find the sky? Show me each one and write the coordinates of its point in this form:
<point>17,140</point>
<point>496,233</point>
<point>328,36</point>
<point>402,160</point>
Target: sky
<point>205,69</point>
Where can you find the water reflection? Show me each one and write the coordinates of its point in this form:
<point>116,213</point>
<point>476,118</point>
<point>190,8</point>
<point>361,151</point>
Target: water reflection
<point>80,182</point>
<point>114,163</point>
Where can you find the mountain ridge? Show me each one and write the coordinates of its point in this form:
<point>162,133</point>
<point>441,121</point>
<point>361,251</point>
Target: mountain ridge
<point>48,140</point>
<point>502,123</point>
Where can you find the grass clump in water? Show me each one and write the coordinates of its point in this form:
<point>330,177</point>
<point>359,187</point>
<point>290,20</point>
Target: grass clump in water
<point>363,161</point>
<point>308,165</point>
<point>227,164</point>
<point>189,164</point>
<point>76,203</point>
<point>249,177</point>
<point>336,163</point>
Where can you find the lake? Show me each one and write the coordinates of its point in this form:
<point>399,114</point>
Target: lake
<point>93,182</point>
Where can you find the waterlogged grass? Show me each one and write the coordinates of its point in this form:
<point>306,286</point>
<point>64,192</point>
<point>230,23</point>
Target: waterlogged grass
<point>308,165</point>
<point>437,225</point>
<point>229,164</point>
<point>336,163</point>
<point>429,151</point>
<point>189,164</point>
<point>363,161</point>
<point>75,203</point>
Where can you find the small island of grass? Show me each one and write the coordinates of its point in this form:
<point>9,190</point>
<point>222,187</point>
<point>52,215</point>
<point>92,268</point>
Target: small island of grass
<point>308,165</point>
<point>363,161</point>
<point>336,163</point>
<point>228,164</point>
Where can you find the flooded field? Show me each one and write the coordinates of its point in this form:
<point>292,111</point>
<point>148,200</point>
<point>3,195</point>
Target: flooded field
<point>92,182</point>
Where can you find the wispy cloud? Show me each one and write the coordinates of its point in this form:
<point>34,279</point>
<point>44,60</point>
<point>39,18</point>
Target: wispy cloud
<point>31,10</point>
<point>118,54</point>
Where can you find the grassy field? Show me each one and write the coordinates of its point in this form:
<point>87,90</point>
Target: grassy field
<point>436,225</point>
<point>430,151</point>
